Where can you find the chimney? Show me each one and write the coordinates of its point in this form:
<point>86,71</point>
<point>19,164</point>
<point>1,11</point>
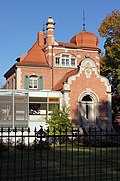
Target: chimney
<point>41,39</point>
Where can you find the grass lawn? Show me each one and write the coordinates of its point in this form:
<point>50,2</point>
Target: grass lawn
<point>65,163</point>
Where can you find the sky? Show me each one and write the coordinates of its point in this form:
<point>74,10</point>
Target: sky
<point>21,20</point>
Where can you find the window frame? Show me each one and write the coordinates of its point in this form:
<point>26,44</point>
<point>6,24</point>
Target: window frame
<point>33,82</point>
<point>57,59</point>
<point>65,60</point>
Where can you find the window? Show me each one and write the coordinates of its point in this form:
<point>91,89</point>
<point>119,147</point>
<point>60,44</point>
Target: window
<point>57,61</point>
<point>37,108</point>
<point>53,101</point>
<point>73,62</point>
<point>86,98</point>
<point>33,82</point>
<point>42,105</point>
<point>65,61</point>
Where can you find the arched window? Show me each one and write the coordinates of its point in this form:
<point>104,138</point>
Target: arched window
<point>33,82</point>
<point>86,98</point>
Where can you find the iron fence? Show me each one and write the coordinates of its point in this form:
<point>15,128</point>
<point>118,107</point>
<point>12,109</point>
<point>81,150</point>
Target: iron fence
<point>76,155</point>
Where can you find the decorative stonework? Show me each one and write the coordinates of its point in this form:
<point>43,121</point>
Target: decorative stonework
<point>88,71</point>
<point>79,56</point>
<point>87,55</point>
<point>88,65</point>
<point>88,62</point>
<point>88,91</point>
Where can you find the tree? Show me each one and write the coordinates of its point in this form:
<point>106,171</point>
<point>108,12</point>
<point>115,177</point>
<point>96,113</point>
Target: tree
<point>59,120</point>
<point>115,107</point>
<point>110,30</point>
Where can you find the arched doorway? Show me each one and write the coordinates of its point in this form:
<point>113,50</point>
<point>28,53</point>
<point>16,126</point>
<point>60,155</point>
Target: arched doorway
<point>88,109</point>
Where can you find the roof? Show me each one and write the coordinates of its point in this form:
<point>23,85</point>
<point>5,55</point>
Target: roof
<point>85,39</point>
<point>34,57</point>
<point>59,85</point>
<point>10,71</point>
<point>67,44</point>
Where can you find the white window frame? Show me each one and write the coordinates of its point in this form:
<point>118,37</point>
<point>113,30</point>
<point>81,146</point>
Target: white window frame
<point>57,59</point>
<point>73,65</point>
<point>34,80</point>
<point>67,58</point>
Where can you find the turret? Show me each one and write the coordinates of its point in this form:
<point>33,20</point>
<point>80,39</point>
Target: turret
<point>50,31</point>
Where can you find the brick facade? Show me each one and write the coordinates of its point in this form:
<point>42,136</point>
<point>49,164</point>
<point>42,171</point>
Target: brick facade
<point>72,68</point>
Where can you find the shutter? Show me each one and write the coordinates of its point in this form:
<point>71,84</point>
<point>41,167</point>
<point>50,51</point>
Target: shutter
<point>26,81</point>
<point>40,82</point>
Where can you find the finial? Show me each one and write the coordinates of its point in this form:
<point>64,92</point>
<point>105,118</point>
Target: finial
<point>43,27</point>
<point>84,21</point>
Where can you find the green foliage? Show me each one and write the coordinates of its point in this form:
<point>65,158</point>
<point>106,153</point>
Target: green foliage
<point>59,121</point>
<point>116,104</point>
<point>110,30</point>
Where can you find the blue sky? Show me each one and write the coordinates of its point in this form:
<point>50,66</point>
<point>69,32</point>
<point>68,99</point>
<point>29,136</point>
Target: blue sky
<point>20,21</point>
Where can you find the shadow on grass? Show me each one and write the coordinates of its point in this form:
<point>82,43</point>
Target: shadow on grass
<point>60,162</point>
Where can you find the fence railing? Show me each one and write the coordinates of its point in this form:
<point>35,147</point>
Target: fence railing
<point>92,155</point>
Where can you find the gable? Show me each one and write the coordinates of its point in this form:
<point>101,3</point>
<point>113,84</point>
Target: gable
<point>35,56</point>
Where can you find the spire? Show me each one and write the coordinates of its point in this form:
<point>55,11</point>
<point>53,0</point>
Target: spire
<point>43,27</point>
<point>84,21</point>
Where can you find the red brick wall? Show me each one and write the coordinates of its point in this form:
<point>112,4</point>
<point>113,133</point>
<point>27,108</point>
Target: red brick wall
<point>10,80</point>
<point>45,72</point>
<point>79,85</point>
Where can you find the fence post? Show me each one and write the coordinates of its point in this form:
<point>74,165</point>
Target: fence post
<point>41,134</point>
<point>1,150</point>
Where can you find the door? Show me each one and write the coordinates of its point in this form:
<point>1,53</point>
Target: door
<point>87,111</point>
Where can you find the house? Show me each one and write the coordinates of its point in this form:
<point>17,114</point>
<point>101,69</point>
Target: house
<point>63,73</point>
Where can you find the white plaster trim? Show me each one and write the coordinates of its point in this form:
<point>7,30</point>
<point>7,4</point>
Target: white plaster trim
<point>49,47</point>
<point>88,91</point>
<point>74,49</point>
<point>78,56</point>
<point>95,69</point>
<point>97,57</point>
<point>110,109</point>
<point>50,35</point>
<point>66,50</point>
<point>66,99</point>
<point>50,28</point>
<point>50,54</point>
<point>19,78</point>
<point>66,87</point>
